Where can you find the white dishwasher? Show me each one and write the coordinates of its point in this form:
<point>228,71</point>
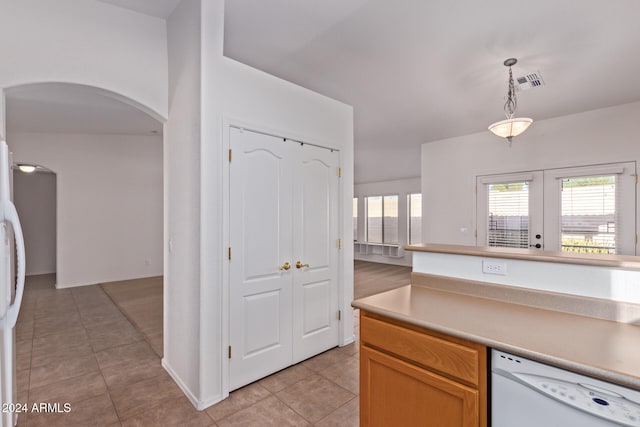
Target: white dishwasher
<point>525,393</point>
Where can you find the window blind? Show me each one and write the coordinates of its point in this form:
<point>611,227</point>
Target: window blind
<point>508,219</point>
<point>390,222</point>
<point>382,219</point>
<point>589,217</point>
<point>415,218</point>
<point>374,219</point>
<point>355,219</point>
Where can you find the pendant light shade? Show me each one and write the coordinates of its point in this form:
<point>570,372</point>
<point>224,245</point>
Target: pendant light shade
<point>511,126</point>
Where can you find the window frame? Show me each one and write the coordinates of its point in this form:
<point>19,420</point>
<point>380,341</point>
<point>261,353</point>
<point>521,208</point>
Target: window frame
<point>366,219</point>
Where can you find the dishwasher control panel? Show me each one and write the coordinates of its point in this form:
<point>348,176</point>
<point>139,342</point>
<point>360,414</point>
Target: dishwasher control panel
<point>588,398</point>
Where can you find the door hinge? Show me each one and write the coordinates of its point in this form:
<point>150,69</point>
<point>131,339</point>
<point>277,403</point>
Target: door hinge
<point>230,154</point>
<point>636,176</point>
<point>229,253</point>
<point>229,352</point>
<point>339,244</point>
<point>339,315</point>
<point>339,172</point>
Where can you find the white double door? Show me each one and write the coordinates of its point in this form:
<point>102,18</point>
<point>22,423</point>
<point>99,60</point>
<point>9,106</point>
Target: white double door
<point>559,205</point>
<point>284,254</point>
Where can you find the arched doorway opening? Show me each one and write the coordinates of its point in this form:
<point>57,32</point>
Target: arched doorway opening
<point>107,152</point>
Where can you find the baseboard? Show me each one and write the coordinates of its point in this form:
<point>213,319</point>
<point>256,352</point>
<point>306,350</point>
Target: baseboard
<point>200,405</point>
<point>348,340</point>
<point>204,404</point>
<point>100,282</point>
<point>187,392</point>
<point>39,273</point>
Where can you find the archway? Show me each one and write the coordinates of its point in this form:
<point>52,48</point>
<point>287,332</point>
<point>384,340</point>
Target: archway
<point>106,150</point>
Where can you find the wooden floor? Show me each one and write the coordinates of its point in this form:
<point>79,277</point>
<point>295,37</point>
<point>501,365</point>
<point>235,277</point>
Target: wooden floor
<point>372,278</point>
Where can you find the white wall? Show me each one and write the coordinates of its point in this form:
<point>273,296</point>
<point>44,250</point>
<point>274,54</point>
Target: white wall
<point>109,203</point>
<point>616,284</point>
<point>449,167</point>
<point>85,42</point>
<point>182,203</point>
<point>402,188</point>
<point>35,200</point>
<point>231,92</point>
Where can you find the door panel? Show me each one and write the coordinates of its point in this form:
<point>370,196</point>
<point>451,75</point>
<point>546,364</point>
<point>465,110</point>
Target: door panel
<point>315,288</point>
<point>316,225</point>
<point>261,216</point>
<point>260,240</point>
<point>283,208</point>
<point>509,210</point>
<point>316,297</point>
<point>262,333</point>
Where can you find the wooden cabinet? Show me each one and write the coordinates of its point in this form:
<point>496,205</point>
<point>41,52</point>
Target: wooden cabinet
<point>410,376</point>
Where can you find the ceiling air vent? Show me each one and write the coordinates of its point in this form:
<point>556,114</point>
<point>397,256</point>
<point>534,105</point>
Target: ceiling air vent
<point>529,80</point>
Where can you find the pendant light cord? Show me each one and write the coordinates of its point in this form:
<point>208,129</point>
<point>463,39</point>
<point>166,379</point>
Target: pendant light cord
<point>512,103</point>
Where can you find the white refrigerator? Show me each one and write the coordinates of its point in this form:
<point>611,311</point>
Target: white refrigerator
<point>11,289</point>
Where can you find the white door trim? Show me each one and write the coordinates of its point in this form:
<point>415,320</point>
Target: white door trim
<point>227,122</point>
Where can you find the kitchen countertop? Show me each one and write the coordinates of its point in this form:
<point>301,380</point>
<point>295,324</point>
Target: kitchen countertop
<point>601,348</point>
<point>627,262</point>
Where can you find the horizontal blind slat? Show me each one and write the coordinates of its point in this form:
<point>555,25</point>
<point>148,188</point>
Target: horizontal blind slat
<point>589,214</point>
<point>508,219</point>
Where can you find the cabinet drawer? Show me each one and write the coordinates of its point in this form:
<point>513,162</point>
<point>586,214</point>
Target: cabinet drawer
<point>459,360</point>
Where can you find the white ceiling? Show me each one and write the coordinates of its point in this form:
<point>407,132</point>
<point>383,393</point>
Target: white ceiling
<point>414,70</point>
<point>158,8</point>
<point>418,71</point>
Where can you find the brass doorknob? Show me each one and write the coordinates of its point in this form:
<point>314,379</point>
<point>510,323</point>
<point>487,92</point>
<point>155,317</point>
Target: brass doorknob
<point>285,266</point>
<point>300,265</point>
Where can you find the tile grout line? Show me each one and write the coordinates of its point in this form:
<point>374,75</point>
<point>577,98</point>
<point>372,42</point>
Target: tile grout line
<point>113,405</point>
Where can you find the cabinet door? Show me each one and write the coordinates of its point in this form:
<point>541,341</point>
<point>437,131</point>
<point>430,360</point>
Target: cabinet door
<point>396,393</point>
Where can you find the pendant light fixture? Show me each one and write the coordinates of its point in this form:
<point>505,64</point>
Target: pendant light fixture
<point>511,126</point>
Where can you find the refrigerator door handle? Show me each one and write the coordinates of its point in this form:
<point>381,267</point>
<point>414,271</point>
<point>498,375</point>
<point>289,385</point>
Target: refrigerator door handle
<point>10,215</point>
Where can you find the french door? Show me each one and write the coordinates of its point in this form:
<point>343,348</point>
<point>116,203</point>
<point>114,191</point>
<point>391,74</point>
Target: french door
<point>510,210</point>
<point>590,209</point>
<point>284,264</point>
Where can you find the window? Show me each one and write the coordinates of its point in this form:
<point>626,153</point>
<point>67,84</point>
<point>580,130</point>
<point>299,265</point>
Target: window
<point>355,219</point>
<point>382,219</point>
<point>414,203</point>
<point>588,209</point>
<point>508,218</point>
<point>588,214</point>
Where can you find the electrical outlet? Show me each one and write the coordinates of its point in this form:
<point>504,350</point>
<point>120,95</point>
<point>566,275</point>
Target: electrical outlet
<point>493,267</point>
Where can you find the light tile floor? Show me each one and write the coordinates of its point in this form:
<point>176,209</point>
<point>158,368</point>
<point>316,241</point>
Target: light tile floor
<point>77,346</point>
